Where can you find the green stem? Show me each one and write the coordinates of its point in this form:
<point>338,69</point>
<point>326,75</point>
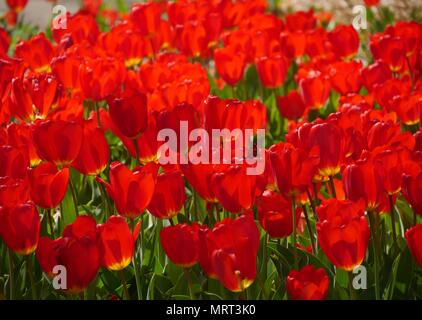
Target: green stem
<point>393,218</point>
<point>50,214</point>
<point>135,143</point>
<point>332,187</point>
<point>352,295</point>
<point>375,253</point>
<point>124,284</point>
<point>104,199</point>
<point>75,201</point>
<point>11,275</point>
<point>189,280</point>
<point>97,111</point>
<point>31,276</point>
<point>135,265</point>
<point>311,237</point>
<point>294,231</point>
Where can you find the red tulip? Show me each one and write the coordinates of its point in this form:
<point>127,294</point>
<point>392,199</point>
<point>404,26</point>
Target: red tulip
<point>13,162</point>
<point>345,41</point>
<point>131,191</point>
<point>291,106</point>
<point>308,283</point>
<point>169,195</point>
<point>414,240</point>
<point>17,5</point>
<point>94,153</point>
<point>36,52</point>
<point>343,232</point>
<point>77,250</point>
<point>345,76</point>
<point>116,243</point>
<point>228,252</point>
<point>375,74</point>
<point>293,44</point>
<point>230,64</point>
<point>4,42</point>
<point>57,141</point>
<point>20,227</point>
<point>48,185</point>
<point>234,188</point>
<point>314,90</point>
<point>275,214</point>
<point>33,96</point>
<point>13,192</point>
<point>100,77</point>
<point>300,20</point>
<point>390,50</point>
<point>130,114</point>
<point>272,70</point>
<point>412,190</point>
<point>66,69</point>
<point>180,243</point>
<point>293,169</point>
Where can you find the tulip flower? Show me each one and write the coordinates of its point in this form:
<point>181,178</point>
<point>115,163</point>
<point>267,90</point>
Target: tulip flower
<point>275,214</point>
<point>234,188</point>
<point>57,141</point>
<point>116,243</point>
<point>293,168</point>
<point>36,52</point>
<point>48,185</point>
<point>345,41</point>
<point>94,153</point>
<point>314,90</point>
<point>230,64</point>
<point>291,106</point>
<point>228,252</point>
<point>412,190</point>
<point>174,238</point>
<point>17,5</point>
<point>300,20</point>
<point>131,191</point>
<point>77,250</point>
<point>308,283</point>
<point>390,50</point>
<point>375,74</point>
<point>272,70</point>
<point>345,76</point>
<point>414,239</point>
<point>169,195</point>
<point>130,114</point>
<point>13,162</point>
<point>13,191</point>
<point>20,227</point>
<point>343,232</point>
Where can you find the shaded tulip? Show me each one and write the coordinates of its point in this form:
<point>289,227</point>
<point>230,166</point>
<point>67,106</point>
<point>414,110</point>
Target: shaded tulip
<point>412,190</point>
<point>116,243</point>
<point>343,232</point>
<point>293,168</point>
<point>308,283</point>
<point>94,153</point>
<point>169,195</point>
<point>130,114</point>
<point>13,162</point>
<point>275,214</point>
<point>229,250</point>
<point>414,240</point>
<point>230,64</point>
<point>375,74</point>
<point>13,191</point>
<point>344,40</point>
<point>131,191</point>
<point>181,244</point>
<point>390,50</point>
<point>57,141</point>
<point>272,70</point>
<point>291,106</point>
<point>77,250</point>
<point>300,20</point>
<point>47,185</point>
<point>20,227</point>
<point>234,188</point>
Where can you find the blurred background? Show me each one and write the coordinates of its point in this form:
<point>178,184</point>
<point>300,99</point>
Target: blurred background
<point>38,12</point>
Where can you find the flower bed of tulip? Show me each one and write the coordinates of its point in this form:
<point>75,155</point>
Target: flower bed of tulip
<point>89,211</point>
